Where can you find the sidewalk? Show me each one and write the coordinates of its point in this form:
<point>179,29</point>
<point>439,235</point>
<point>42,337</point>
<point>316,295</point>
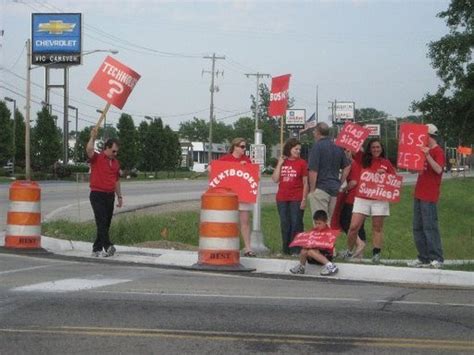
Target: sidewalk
<point>267,266</point>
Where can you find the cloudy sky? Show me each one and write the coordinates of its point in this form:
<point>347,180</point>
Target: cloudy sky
<point>373,52</point>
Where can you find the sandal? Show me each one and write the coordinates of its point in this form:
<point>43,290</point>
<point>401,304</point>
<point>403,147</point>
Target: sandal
<point>250,254</point>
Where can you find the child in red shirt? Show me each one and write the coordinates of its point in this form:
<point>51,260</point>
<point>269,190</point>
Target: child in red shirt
<point>322,256</point>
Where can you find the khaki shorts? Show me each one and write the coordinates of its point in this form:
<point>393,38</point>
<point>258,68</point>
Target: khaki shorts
<point>321,200</point>
<point>371,207</point>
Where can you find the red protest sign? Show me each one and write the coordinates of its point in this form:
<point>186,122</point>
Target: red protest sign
<point>279,95</point>
<point>352,136</point>
<point>240,178</point>
<point>383,187</point>
<point>316,239</point>
<point>412,137</point>
<point>114,82</point>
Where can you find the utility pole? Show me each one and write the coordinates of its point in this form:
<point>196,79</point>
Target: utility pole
<point>256,236</point>
<point>213,88</point>
<point>28,109</point>
<point>316,113</point>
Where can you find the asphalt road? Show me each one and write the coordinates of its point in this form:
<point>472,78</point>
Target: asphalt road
<point>70,200</point>
<point>57,306</point>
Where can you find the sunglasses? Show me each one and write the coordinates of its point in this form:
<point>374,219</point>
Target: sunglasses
<point>242,146</point>
<point>114,151</point>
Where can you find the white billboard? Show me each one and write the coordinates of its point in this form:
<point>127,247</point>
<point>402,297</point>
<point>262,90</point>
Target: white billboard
<point>345,111</point>
<point>374,130</point>
<point>295,118</point>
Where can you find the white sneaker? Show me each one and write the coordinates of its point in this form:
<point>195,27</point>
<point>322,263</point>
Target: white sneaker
<point>417,263</point>
<point>329,269</point>
<point>435,264</point>
<point>376,258</point>
<point>346,255</point>
<point>96,254</point>
<point>298,269</point>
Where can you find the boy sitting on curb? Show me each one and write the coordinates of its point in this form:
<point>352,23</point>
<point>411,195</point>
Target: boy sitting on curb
<point>321,255</point>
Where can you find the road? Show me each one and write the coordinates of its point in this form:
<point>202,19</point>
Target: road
<point>59,306</point>
<point>71,200</point>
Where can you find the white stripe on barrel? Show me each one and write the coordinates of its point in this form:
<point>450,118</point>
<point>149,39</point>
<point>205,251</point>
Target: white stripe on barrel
<point>23,231</point>
<point>219,243</point>
<point>23,206</point>
<point>219,216</point>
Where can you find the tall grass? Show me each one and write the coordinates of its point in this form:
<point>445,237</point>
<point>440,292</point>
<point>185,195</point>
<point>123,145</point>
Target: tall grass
<point>456,213</point>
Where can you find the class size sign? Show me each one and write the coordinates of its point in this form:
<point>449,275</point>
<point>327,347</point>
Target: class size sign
<point>56,39</point>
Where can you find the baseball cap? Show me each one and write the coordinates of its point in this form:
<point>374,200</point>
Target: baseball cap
<point>432,129</point>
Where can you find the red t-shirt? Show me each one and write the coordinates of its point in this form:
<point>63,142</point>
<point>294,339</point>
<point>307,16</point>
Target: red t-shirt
<point>354,174</point>
<point>377,164</point>
<point>290,187</point>
<point>428,183</point>
<point>230,157</point>
<point>104,173</point>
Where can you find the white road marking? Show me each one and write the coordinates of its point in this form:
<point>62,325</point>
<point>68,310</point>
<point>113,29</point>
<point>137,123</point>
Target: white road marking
<point>69,285</point>
<point>25,269</point>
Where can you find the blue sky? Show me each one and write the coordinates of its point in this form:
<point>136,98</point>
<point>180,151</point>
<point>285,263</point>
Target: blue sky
<point>368,51</point>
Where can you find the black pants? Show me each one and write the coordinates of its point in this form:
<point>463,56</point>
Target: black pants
<point>103,207</point>
<point>345,220</point>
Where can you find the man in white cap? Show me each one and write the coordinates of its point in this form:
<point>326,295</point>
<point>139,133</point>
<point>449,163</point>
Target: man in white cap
<point>425,212</point>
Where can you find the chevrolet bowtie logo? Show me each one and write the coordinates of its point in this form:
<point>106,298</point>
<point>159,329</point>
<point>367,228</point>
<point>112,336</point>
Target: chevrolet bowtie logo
<point>56,27</point>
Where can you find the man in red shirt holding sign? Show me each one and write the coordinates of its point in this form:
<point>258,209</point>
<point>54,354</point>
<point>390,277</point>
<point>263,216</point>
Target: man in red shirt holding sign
<point>104,184</point>
<point>425,212</point>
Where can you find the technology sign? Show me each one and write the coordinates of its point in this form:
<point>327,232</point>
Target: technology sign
<point>56,39</point>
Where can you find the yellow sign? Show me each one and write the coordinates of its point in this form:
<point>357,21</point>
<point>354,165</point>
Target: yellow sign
<point>56,27</point>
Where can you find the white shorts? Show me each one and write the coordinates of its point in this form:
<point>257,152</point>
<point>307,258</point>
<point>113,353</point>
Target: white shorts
<point>245,206</point>
<point>371,207</point>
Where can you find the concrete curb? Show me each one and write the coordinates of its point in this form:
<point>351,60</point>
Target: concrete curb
<point>270,267</point>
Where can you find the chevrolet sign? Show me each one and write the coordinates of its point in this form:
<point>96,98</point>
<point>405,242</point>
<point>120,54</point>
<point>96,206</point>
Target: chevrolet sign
<point>56,39</point>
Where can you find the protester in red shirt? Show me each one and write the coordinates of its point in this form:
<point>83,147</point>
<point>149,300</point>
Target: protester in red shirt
<point>350,190</point>
<point>373,160</point>
<point>425,212</point>
<point>104,184</point>
<point>291,174</point>
<point>237,155</point>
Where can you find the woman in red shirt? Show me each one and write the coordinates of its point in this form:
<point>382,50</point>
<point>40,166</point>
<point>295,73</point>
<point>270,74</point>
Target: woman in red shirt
<point>237,154</point>
<point>291,174</point>
<point>375,161</point>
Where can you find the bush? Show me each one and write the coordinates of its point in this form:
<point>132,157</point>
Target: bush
<point>79,168</point>
<point>62,171</point>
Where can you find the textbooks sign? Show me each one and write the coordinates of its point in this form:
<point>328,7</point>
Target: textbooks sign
<point>279,95</point>
<point>114,82</point>
<point>412,137</point>
<point>241,178</point>
<point>316,239</point>
<point>352,136</point>
<point>383,187</point>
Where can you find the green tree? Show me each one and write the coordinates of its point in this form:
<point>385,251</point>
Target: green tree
<point>142,133</point>
<point>128,136</point>
<point>46,143</point>
<point>172,148</point>
<point>154,150</point>
<point>196,130</point>
<point>19,139</point>
<point>80,148</point>
<point>6,142</point>
<point>451,108</point>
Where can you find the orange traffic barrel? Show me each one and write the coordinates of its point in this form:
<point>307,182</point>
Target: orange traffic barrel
<point>24,216</point>
<point>219,243</point>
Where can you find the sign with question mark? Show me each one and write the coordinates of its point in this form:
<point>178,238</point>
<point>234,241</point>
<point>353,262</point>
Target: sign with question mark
<point>412,137</point>
<point>114,82</point>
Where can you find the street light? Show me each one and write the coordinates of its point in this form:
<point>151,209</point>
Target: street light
<point>77,118</point>
<point>9,99</point>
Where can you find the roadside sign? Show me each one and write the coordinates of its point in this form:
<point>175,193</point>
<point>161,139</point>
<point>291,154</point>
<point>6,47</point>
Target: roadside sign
<point>295,119</point>
<point>257,153</point>
<point>374,130</point>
